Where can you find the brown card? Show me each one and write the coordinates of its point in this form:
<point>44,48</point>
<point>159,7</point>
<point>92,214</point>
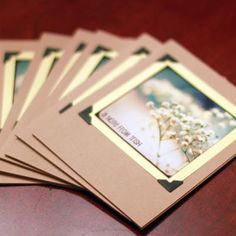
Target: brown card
<point>102,39</point>
<point>132,56</point>
<point>179,102</point>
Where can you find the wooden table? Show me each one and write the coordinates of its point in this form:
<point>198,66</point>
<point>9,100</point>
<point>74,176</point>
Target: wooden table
<point>208,29</point>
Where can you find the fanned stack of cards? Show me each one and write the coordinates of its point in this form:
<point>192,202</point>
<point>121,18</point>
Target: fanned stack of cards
<point>136,122</point>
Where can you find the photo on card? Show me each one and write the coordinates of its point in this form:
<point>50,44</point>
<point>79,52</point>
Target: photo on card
<point>167,120</point>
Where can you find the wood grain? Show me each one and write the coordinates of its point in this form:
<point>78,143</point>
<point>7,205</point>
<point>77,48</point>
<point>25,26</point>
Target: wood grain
<point>207,28</point>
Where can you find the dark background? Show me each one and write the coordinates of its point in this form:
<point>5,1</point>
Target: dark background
<point>208,29</point>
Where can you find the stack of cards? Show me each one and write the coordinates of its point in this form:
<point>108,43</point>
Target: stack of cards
<point>136,122</point>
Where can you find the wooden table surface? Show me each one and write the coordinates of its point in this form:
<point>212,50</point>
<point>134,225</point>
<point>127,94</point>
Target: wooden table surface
<point>208,29</point>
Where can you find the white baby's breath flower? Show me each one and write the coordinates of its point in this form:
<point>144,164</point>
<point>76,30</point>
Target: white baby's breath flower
<point>186,127</point>
<point>201,132</point>
<point>183,132</point>
<point>189,153</point>
<point>202,139</point>
<point>162,123</point>
<point>185,119</point>
<point>171,134</point>
<point>176,113</point>
<point>150,104</point>
<point>220,115</point>
<point>215,111</point>
<point>195,144</point>
<point>177,139</point>
<point>179,107</point>
<point>168,115</point>
<point>187,139</point>
<point>203,125</point>
<point>162,111</point>
<point>196,122</point>
<point>184,144</point>
<point>165,104</point>
<point>197,137</point>
<point>181,115</point>
<point>174,121</point>
<point>210,133</point>
<point>199,152</point>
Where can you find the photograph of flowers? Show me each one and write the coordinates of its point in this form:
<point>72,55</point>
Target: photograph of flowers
<point>168,121</point>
